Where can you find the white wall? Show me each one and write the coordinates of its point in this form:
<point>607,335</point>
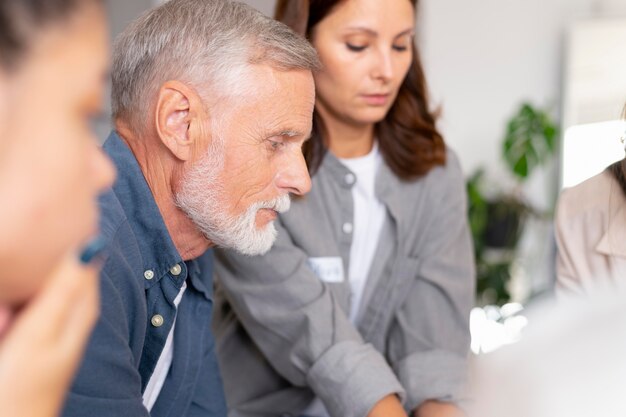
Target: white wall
<point>595,92</point>
<point>484,57</point>
<point>266,6</point>
<point>122,12</point>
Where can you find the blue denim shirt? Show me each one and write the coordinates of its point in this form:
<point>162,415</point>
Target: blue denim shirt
<point>140,280</point>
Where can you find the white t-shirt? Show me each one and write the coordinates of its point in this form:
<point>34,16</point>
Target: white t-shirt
<point>155,384</point>
<point>369,217</point>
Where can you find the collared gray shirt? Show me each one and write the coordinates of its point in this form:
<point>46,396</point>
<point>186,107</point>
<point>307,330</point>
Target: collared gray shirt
<point>284,336</point>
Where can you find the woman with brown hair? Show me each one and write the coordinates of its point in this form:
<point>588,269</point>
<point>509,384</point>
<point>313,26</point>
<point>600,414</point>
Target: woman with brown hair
<point>364,299</point>
<point>53,61</point>
<point>590,227</point>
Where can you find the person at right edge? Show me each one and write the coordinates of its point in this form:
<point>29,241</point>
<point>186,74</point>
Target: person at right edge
<point>590,225</point>
<point>362,306</point>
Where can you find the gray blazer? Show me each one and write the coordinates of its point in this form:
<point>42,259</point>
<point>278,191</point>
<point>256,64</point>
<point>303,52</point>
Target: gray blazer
<point>283,334</point>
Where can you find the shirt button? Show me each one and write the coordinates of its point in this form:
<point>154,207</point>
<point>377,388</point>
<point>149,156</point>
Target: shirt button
<point>148,274</point>
<point>347,228</point>
<point>176,270</point>
<point>350,178</point>
<point>157,320</point>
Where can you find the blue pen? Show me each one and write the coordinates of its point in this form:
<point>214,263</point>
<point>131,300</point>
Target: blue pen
<point>93,249</point>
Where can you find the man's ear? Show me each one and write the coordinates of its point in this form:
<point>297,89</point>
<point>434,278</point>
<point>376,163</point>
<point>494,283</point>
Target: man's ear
<point>173,117</point>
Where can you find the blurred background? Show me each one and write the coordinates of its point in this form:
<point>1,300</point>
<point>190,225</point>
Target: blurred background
<point>531,93</point>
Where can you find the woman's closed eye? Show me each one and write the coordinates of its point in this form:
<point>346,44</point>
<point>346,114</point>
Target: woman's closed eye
<point>400,48</point>
<point>355,47</point>
<point>402,43</point>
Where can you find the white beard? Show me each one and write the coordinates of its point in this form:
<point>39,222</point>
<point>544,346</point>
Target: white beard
<point>199,198</point>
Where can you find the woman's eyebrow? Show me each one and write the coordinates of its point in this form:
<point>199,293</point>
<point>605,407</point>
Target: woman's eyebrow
<point>372,32</point>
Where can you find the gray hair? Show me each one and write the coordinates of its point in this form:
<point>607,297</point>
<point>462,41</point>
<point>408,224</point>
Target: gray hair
<point>206,43</point>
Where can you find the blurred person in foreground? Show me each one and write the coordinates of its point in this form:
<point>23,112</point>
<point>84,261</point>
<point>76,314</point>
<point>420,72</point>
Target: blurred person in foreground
<point>570,361</point>
<point>53,62</point>
<point>590,231</point>
<point>212,102</point>
<point>364,300</point>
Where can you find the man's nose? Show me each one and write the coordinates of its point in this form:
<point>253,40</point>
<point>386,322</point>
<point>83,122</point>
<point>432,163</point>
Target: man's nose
<point>294,176</point>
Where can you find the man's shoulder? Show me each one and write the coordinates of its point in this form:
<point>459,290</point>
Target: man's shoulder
<point>112,215</point>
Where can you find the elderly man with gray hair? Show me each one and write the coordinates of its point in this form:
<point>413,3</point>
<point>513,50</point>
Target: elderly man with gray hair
<point>212,102</point>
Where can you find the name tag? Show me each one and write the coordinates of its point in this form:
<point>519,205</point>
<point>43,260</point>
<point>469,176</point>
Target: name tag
<point>328,269</point>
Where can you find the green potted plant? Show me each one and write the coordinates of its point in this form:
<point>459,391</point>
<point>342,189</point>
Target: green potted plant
<point>529,140</point>
<point>497,221</point>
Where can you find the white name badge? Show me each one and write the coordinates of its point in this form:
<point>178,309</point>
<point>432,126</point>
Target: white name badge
<point>328,269</point>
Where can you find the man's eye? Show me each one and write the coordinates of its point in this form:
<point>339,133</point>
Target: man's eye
<point>355,48</point>
<point>275,144</point>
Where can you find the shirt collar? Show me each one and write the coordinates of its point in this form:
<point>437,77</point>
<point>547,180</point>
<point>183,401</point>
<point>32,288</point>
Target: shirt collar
<point>131,189</point>
<point>388,187</point>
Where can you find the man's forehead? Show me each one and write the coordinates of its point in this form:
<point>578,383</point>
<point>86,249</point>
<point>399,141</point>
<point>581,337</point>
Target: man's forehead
<point>273,87</point>
<point>290,126</point>
<point>269,103</point>
<point>264,77</point>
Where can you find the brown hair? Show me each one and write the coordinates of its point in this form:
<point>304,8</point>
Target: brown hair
<point>21,20</point>
<point>408,139</point>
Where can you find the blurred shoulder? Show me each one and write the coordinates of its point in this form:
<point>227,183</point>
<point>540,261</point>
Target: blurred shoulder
<point>595,195</point>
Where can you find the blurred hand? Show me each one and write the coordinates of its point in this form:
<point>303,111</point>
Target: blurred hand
<point>42,345</point>
<point>438,409</point>
<point>389,406</point>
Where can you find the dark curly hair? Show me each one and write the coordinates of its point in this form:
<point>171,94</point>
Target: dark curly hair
<point>21,20</point>
<point>408,138</point>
